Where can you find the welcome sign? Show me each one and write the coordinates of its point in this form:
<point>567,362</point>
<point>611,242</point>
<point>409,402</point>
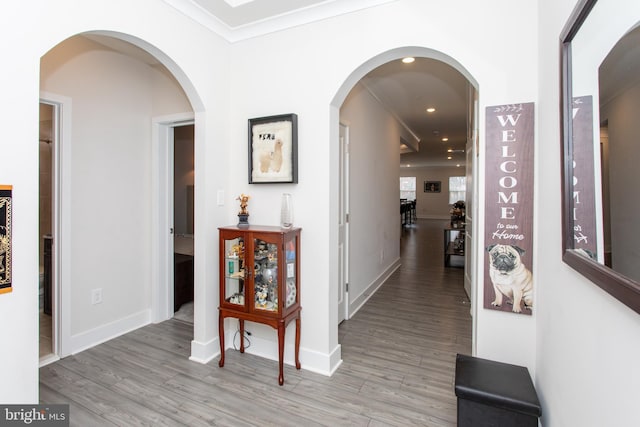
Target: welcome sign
<point>584,201</point>
<point>508,282</point>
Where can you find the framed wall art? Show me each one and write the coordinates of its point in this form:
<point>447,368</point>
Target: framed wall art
<point>432,186</point>
<point>273,149</point>
<point>5,238</point>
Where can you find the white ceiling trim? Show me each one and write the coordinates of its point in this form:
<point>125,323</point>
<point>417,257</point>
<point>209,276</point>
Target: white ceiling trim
<point>274,23</point>
<point>236,3</point>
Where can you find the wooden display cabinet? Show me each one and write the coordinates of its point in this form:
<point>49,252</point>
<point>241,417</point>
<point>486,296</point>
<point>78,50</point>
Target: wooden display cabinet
<point>259,282</point>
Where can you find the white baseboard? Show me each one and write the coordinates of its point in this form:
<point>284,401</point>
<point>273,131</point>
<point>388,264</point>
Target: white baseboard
<point>45,360</point>
<point>104,333</point>
<point>310,360</point>
<point>360,300</point>
<point>204,352</point>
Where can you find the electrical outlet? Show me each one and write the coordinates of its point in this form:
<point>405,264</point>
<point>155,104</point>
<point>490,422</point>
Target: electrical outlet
<point>96,296</point>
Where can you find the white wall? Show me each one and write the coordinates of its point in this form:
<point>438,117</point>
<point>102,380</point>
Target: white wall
<point>374,215</point>
<point>586,341</point>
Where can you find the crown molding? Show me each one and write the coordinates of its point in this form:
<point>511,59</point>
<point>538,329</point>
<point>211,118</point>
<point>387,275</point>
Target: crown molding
<point>302,16</point>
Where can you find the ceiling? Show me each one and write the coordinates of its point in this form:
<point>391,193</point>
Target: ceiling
<point>406,90</point>
<point>241,19</point>
<point>238,13</point>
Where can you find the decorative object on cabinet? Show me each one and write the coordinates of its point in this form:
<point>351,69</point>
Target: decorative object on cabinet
<point>259,282</point>
<point>273,149</point>
<point>432,186</point>
<point>286,211</point>
<point>243,215</point>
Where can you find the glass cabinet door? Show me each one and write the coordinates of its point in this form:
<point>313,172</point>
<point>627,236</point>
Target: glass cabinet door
<point>291,291</point>
<point>234,275</point>
<point>265,273</point>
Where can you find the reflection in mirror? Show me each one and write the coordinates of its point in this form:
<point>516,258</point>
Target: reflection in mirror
<point>619,95</point>
<point>601,145</point>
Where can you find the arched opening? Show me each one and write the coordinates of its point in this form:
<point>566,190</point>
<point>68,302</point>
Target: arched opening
<point>113,258</point>
<point>382,234</point>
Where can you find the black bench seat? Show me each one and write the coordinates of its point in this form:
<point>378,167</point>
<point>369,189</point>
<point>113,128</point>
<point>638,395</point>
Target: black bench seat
<point>495,394</point>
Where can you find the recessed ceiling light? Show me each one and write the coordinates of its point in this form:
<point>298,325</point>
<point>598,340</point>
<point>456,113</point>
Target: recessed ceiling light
<point>445,139</point>
<point>408,59</point>
<point>458,165</point>
<point>449,150</point>
<point>449,158</point>
<point>431,110</point>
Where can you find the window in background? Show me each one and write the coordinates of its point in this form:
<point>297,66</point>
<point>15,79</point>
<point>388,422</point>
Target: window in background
<point>408,187</point>
<point>457,189</point>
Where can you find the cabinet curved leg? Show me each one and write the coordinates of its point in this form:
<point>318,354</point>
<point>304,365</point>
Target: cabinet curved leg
<point>297,349</point>
<point>241,335</point>
<point>221,338</point>
<point>281,352</point>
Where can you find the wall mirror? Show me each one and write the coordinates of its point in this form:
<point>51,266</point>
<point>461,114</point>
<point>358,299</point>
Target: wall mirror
<point>600,51</point>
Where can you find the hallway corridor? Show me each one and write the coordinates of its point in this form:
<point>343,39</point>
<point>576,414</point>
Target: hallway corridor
<point>398,365</point>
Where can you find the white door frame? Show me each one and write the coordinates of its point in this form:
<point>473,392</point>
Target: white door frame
<point>61,224</point>
<point>162,213</point>
<point>471,238</point>
<point>343,226</point>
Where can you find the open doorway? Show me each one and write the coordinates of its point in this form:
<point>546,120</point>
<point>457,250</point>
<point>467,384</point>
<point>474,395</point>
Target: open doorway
<point>412,119</point>
<point>387,104</point>
<point>46,146</point>
<point>183,220</point>
<point>104,270</point>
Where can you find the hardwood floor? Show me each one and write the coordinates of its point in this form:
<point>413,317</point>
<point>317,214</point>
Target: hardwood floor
<point>398,364</point>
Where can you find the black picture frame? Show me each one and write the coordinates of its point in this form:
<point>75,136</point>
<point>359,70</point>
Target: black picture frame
<point>432,186</point>
<point>273,149</point>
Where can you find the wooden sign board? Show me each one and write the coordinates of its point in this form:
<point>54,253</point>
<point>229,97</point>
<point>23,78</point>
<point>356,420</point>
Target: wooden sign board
<point>508,282</point>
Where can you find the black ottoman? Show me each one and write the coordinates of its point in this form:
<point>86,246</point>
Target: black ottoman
<point>494,394</point>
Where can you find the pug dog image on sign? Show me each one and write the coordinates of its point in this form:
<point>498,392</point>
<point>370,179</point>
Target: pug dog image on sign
<point>510,277</point>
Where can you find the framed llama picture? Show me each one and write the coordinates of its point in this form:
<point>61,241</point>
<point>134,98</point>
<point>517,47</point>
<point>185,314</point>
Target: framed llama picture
<point>273,149</point>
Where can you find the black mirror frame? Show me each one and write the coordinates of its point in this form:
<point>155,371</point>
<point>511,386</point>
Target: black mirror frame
<point>619,286</point>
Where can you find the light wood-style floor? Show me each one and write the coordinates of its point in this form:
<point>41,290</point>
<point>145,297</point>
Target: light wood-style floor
<point>398,356</point>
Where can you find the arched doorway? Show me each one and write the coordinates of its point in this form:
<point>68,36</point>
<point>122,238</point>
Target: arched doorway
<point>337,263</point>
<point>108,184</point>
